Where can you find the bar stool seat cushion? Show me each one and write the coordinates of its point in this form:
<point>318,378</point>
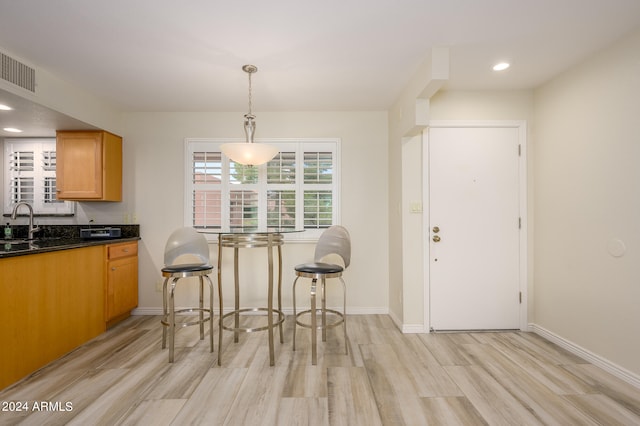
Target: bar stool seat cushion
<point>319,268</point>
<point>187,267</point>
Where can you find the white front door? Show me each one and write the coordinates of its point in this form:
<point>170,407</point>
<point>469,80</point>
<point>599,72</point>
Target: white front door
<point>474,232</point>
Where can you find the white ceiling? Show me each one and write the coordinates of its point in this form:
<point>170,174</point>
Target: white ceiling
<point>168,55</point>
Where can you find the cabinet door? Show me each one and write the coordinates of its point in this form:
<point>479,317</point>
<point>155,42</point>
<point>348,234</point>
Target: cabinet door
<point>122,286</point>
<point>88,166</point>
<point>79,165</point>
<point>51,303</point>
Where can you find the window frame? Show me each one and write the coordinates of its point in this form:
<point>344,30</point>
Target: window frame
<point>299,146</point>
<point>41,177</point>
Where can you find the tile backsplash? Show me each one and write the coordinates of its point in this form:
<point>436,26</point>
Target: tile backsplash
<point>72,231</point>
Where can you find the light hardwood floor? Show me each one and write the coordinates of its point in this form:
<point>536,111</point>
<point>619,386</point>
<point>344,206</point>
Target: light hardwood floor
<point>513,378</point>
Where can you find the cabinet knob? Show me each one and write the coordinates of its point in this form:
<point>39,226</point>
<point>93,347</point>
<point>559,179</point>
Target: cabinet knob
<point>113,269</point>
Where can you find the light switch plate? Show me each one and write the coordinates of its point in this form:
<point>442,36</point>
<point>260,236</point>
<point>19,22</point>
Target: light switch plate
<point>415,207</point>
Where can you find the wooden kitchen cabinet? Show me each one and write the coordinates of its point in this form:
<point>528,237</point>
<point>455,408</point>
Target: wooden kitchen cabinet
<point>121,294</point>
<point>51,303</point>
<point>88,166</point>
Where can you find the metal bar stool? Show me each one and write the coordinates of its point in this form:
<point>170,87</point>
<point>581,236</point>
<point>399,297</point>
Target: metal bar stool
<point>182,242</point>
<point>334,241</point>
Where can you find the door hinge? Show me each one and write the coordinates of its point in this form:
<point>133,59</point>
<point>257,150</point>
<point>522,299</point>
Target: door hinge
<point>520,297</point>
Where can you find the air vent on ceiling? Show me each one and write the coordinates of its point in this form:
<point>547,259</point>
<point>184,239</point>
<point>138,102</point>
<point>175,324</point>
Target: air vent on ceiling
<point>17,73</point>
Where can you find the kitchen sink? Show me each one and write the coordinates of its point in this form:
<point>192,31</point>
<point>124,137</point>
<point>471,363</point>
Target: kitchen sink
<point>24,244</point>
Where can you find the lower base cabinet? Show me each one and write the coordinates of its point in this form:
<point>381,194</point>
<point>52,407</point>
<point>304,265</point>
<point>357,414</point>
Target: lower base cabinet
<point>121,281</point>
<point>50,303</point>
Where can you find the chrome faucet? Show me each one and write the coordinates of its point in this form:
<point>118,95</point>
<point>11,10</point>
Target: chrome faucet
<point>32,229</point>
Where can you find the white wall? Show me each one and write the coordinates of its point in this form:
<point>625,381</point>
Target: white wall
<point>407,117</point>
<point>587,191</point>
<point>154,173</point>
<point>412,255</point>
<point>59,95</point>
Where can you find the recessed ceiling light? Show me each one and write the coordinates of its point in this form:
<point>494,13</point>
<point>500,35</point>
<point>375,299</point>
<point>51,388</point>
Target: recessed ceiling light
<point>12,130</point>
<point>4,107</point>
<point>501,66</point>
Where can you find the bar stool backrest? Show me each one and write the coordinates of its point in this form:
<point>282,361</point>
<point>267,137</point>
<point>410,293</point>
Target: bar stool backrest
<point>335,240</point>
<point>186,241</point>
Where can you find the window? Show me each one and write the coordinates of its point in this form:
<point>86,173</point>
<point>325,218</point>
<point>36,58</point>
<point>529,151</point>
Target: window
<point>30,176</point>
<point>298,189</point>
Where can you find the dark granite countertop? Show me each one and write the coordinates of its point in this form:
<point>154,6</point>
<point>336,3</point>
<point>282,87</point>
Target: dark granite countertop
<point>61,237</point>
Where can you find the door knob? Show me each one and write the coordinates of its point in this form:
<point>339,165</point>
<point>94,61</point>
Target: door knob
<point>436,238</point>
<point>436,229</point>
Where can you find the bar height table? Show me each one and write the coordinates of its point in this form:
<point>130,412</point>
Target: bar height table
<point>238,238</point>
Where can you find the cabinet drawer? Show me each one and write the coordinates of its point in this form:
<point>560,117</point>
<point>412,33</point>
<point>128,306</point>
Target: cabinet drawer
<point>116,251</point>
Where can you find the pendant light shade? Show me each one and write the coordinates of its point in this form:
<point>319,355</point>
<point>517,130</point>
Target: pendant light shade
<point>249,152</point>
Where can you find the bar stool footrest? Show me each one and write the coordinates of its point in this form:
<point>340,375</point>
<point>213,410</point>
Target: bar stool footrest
<point>166,323</point>
<point>337,322</point>
<point>276,323</point>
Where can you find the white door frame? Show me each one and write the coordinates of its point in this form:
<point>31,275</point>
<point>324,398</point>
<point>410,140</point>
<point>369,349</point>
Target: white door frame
<point>521,125</point>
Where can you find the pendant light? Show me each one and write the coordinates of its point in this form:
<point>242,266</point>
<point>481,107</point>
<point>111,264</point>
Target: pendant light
<point>249,152</point>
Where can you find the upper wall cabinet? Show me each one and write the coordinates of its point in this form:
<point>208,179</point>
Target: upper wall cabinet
<point>89,166</point>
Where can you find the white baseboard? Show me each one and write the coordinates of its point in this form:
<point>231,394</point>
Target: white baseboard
<point>412,328</point>
<point>147,311</point>
<point>406,328</point>
<point>360,311</point>
<point>620,372</point>
<point>395,320</point>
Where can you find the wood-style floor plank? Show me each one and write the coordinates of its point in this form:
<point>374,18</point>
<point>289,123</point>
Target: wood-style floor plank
<point>211,401</point>
<point>156,412</point>
<point>539,399</point>
<point>258,398</point>
<point>496,405</point>
<point>303,411</point>
<point>451,411</point>
<point>604,410</point>
<point>393,387</point>
<point>537,361</point>
<point>351,398</point>
<point>428,377</point>
<point>123,378</point>
<point>606,384</point>
<point>112,404</point>
<point>446,348</point>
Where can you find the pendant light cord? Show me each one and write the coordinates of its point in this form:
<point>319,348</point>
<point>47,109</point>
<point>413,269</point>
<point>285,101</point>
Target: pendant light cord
<point>249,123</point>
<point>250,96</point>
<point>250,69</point>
